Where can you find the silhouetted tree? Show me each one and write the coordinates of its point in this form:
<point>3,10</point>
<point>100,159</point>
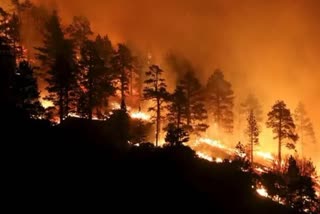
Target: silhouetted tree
<point>79,30</point>
<point>176,136</point>
<point>304,126</point>
<point>105,49</point>
<point>10,27</point>
<point>281,122</point>
<point>155,90</point>
<point>7,68</point>
<point>195,112</point>
<point>241,157</point>
<point>122,66</point>
<point>58,59</point>
<point>300,190</point>
<point>95,78</point>
<point>252,132</point>
<point>25,91</point>
<point>177,108</point>
<point>220,100</point>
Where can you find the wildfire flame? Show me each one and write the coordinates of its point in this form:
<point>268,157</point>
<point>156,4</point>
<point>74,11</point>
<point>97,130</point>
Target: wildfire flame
<point>265,155</point>
<point>262,191</point>
<point>204,156</point>
<point>214,143</point>
<point>140,115</point>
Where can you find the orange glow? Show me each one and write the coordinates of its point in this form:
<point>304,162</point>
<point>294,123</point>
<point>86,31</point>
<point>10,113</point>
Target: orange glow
<point>265,155</point>
<point>262,191</point>
<point>204,156</point>
<point>276,60</point>
<point>46,103</point>
<point>140,115</point>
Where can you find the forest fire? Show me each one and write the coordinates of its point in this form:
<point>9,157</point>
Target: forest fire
<point>239,115</point>
<point>140,115</point>
<point>204,156</point>
<point>262,191</point>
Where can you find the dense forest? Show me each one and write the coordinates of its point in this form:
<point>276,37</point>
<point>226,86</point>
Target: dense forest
<point>111,128</point>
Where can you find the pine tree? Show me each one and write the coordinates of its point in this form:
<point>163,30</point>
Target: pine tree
<point>122,66</point>
<point>58,60</point>
<point>79,30</point>
<point>304,126</point>
<point>281,122</point>
<point>176,136</point>
<point>25,91</point>
<point>252,132</point>
<point>195,111</point>
<point>220,100</point>
<point>95,78</point>
<point>105,49</point>
<point>301,193</point>
<point>10,27</point>
<point>155,90</point>
<point>177,108</point>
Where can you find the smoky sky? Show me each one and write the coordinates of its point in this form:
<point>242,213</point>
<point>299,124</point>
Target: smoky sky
<point>267,47</point>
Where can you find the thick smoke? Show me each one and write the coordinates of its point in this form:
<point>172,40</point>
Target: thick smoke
<point>269,47</point>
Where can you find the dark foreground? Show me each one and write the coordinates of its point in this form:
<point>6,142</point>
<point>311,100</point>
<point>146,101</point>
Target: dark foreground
<point>79,166</point>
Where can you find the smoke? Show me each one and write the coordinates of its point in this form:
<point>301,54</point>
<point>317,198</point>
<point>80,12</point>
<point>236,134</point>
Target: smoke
<point>266,47</point>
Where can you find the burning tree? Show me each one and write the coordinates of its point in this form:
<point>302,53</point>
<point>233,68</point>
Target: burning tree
<point>304,126</point>
<point>10,26</point>
<point>281,122</point>
<point>252,132</point>
<point>58,59</point>
<point>176,109</point>
<point>156,91</point>
<point>79,30</point>
<point>122,67</point>
<point>220,100</point>
<point>95,78</point>
<point>300,190</point>
<point>195,112</point>
<point>25,91</point>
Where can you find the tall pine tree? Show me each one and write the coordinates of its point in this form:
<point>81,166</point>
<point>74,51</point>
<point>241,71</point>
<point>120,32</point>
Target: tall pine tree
<point>220,101</point>
<point>304,127</point>
<point>177,108</point>
<point>195,111</point>
<point>57,57</point>
<point>253,133</point>
<point>25,91</point>
<point>281,122</point>
<point>96,81</point>
<point>122,68</point>
<point>155,90</point>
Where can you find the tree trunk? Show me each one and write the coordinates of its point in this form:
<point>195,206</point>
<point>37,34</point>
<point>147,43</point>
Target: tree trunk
<point>158,121</point>
<point>90,99</point>
<point>122,82</point>
<point>188,107</point>
<point>61,106</point>
<point>66,104</point>
<point>251,148</point>
<point>280,139</point>
<point>179,117</point>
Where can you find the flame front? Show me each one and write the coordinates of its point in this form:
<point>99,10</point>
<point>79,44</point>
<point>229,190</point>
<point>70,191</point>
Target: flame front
<point>140,115</point>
